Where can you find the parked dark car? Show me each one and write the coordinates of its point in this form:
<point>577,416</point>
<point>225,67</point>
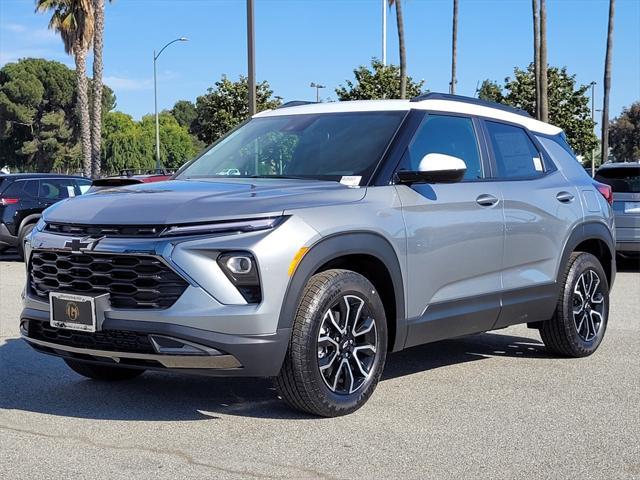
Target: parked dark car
<point>24,196</point>
<point>624,180</point>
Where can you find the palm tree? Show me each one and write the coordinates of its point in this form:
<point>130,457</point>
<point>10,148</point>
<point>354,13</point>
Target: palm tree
<point>96,122</point>
<point>607,85</point>
<point>454,48</point>
<point>536,53</point>
<point>403,51</point>
<point>544,81</point>
<point>73,20</point>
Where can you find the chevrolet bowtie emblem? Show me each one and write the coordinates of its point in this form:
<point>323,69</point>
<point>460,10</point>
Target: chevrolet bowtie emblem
<point>87,243</point>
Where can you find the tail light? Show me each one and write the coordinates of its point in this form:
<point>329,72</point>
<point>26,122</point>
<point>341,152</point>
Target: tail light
<point>606,191</point>
<point>8,201</point>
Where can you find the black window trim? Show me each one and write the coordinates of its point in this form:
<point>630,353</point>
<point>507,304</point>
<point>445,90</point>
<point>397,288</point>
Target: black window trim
<point>549,167</point>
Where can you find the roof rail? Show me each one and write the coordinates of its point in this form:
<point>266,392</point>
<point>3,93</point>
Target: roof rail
<point>295,103</point>
<point>472,100</point>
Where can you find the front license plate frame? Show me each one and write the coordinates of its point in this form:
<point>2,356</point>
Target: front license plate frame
<point>71,311</point>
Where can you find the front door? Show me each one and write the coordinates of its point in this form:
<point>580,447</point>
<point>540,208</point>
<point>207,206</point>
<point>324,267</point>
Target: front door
<point>455,235</point>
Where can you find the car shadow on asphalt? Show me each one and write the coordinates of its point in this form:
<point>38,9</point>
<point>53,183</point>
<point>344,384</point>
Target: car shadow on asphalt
<point>34,382</point>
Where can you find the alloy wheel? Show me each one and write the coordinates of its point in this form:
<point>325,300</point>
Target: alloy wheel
<point>347,345</point>
<point>588,305</point>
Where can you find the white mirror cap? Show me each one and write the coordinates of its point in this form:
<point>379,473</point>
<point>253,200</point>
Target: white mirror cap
<point>437,162</point>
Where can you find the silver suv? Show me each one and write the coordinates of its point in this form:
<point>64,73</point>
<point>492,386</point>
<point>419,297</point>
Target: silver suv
<point>314,239</point>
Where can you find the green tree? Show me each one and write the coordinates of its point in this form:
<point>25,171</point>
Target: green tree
<point>624,134</point>
<point>39,121</point>
<point>568,103</point>
<point>74,21</point>
<point>185,113</point>
<point>378,82</point>
<point>131,145</point>
<point>224,106</point>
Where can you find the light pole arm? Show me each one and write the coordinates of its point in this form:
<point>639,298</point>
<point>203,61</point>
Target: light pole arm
<point>181,39</point>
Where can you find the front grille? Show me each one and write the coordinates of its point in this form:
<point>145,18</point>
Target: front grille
<point>108,340</point>
<point>132,281</point>
<point>105,230</point>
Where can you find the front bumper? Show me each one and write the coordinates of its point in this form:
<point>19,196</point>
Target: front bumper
<point>219,354</point>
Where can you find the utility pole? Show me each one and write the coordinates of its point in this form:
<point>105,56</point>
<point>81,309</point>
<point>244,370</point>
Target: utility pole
<point>384,32</point>
<point>317,86</point>
<point>251,73</point>
<point>593,118</point>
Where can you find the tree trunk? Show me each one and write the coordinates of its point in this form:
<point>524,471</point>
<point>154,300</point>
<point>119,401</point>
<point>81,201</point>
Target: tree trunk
<point>544,80</point>
<point>536,54</point>
<point>96,122</point>
<point>454,48</point>
<point>607,85</point>
<point>403,51</point>
<point>80,55</point>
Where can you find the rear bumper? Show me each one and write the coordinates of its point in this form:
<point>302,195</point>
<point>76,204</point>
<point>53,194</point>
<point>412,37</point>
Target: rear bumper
<point>6,239</point>
<point>217,354</point>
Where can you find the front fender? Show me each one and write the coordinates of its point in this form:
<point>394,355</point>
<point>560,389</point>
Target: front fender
<point>338,245</point>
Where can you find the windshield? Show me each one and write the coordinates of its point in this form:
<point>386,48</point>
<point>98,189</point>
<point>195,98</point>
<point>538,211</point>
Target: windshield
<point>325,146</point>
<point>621,179</point>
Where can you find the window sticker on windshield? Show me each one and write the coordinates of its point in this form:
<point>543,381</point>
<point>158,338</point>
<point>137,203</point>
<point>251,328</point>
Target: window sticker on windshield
<point>71,191</point>
<point>351,180</point>
<point>537,163</point>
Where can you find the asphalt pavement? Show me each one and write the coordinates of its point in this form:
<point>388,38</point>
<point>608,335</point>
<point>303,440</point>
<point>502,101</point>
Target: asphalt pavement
<point>494,405</point>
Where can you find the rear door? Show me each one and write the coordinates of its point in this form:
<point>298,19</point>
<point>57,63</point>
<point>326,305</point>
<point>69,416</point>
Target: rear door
<point>53,190</point>
<point>454,236</point>
<point>541,209</point>
<point>625,184</point>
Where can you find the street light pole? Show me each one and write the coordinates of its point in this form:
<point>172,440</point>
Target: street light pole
<point>317,86</point>
<point>593,118</point>
<point>155,96</point>
<point>384,32</point>
<point>251,73</point>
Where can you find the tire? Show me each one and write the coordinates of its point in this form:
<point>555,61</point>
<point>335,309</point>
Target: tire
<point>580,319</point>
<point>330,368</point>
<point>103,372</point>
<point>24,233</point>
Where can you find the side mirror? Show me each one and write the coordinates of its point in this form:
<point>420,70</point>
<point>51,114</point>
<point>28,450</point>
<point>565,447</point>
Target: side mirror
<point>435,168</point>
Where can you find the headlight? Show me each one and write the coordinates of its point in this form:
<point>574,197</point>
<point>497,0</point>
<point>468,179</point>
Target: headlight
<point>241,269</point>
<point>239,226</point>
<point>40,225</point>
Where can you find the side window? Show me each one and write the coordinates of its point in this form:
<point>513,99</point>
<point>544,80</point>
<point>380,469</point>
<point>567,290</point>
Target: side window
<point>515,154</point>
<point>83,186</point>
<point>449,135</point>
<point>57,189</point>
<point>31,188</point>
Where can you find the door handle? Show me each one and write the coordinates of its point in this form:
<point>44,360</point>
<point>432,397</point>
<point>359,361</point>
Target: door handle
<point>486,200</point>
<point>564,197</point>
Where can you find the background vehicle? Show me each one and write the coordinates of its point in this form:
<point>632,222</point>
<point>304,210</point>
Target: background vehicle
<point>24,196</point>
<point>624,180</point>
<point>339,232</point>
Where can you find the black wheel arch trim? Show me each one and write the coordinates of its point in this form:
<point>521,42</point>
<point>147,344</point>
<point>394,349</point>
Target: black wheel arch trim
<point>339,245</point>
<point>29,219</point>
<point>590,231</point>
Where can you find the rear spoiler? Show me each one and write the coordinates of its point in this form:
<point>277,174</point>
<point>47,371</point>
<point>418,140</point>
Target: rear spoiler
<point>115,182</point>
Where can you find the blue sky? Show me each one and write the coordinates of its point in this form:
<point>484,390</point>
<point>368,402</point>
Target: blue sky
<point>299,41</point>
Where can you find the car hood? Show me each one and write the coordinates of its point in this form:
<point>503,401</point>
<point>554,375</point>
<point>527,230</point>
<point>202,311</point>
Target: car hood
<point>191,201</point>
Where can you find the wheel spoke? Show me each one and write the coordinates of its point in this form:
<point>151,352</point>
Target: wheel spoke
<point>352,319</point>
<point>333,321</point>
<point>579,325</point>
<point>597,298</point>
<point>367,325</point>
<point>351,378</point>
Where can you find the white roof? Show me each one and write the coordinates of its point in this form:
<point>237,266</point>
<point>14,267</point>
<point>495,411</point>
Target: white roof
<point>439,105</point>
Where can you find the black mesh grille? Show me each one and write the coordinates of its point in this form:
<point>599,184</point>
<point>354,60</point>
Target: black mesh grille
<point>133,281</point>
<point>109,340</point>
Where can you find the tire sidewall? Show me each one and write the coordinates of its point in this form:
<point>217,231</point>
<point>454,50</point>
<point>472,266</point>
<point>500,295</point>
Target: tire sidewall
<point>348,283</point>
<point>583,263</point>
